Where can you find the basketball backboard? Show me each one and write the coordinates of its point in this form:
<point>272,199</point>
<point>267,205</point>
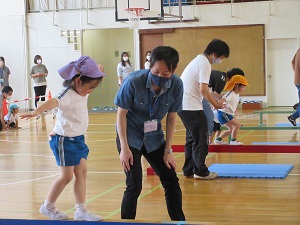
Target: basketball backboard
<point>153,9</point>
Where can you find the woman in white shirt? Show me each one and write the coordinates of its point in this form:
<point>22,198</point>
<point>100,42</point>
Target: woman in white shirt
<point>124,68</point>
<point>147,63</point>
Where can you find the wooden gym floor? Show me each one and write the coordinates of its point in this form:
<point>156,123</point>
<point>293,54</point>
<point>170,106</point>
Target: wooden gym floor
<point>27,168</point>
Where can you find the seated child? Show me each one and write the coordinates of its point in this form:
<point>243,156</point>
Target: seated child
<point>226,115</point>
<point>11,119</point>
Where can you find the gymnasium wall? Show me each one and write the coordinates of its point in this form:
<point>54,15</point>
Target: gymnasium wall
<point>280,19</point>
<point>13,46</point>
<point>46,40</point>
<point>246,50</point>
<point>106,46</point>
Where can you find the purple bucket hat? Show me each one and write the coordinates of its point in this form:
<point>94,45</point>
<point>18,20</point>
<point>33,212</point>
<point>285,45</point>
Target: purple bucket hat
<point>85,66</point>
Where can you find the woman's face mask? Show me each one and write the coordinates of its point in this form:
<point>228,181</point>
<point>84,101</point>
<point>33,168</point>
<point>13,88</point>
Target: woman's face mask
<point>125,58</point>
<point>148,57</point>
<point>39,61</point>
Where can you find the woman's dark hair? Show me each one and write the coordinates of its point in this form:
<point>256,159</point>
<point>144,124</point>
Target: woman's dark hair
<point>167,54</point>
<point>36,58</point>
<point>123,62</point>
<point>147,54</point>
<point>235,71</point>
<point>2,58</point>
<point>84,80</point>
<point>219,47</point>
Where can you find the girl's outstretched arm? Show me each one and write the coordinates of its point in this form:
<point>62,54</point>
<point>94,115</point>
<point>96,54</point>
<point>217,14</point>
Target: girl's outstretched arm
<point>48,105</point>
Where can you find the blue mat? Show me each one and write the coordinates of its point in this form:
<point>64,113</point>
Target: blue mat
<point>252,170</point>
<point>285,125</point>
<point>276,143</point>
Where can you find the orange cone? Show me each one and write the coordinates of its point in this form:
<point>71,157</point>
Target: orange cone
<point>49,95</point>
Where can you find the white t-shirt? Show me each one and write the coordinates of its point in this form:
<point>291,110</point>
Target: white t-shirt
<point>147,65</point>
<point>197,71</point>
<point>124,71</point>
<point>232,101</point>
<point>72,116</point>
<point>215,111</point>
<point>11,118</point>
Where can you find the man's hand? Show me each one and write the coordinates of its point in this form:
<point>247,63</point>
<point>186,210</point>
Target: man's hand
<point>221,105</point>
<point>169,160</point>
<point>126,159</point>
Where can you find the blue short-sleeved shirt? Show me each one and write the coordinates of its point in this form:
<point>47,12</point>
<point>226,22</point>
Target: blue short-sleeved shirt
<point>137,96</point>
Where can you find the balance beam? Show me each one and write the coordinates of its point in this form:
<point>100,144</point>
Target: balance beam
<point>240,149</point>
<point>264,128</point>
<point>261,128</point>
<point>255,148</point>
<point>261,112</point>
<point>247,148</point>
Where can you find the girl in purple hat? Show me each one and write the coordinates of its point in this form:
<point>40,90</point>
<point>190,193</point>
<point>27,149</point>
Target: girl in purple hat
<point>67,139</point>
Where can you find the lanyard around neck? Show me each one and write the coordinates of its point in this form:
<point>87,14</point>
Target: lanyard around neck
<point>152,104</point>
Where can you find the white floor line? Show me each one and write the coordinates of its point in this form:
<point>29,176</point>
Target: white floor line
<point>29,171</point>
<point>2,140</point>
<point>25,181</point>
<point>48,156</point>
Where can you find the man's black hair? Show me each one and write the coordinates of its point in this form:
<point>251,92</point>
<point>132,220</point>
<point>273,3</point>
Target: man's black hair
<point>6,89</point>
<point>167,54</point>
<point>219,47</point>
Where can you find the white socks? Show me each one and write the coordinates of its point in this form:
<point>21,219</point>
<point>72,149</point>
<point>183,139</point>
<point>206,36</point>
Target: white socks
<point>49,205</point>
<point>80,207</point>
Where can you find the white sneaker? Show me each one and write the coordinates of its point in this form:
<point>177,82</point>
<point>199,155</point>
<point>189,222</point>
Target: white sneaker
<point>53,213</point>
<point>210,176</point>
<point>86,216</point>
<point>236,143</point>
<point>217,142</point>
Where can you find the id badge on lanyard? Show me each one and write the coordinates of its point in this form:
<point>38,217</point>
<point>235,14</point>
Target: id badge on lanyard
<point>150,125</point>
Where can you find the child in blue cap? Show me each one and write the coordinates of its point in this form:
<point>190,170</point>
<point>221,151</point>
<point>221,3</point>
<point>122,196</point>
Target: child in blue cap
<point>67,138</point>
<point>11,119</point>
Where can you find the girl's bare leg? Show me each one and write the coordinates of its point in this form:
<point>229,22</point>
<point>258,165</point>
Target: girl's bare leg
<point>80,181</point>
<point>60,183</point>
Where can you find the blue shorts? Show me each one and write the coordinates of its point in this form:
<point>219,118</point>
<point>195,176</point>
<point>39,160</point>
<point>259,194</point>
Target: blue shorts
<point>224,117</point>
<point>68,151</point>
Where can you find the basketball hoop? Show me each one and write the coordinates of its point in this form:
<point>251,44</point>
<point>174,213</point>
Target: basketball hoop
<point>134,16</point>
